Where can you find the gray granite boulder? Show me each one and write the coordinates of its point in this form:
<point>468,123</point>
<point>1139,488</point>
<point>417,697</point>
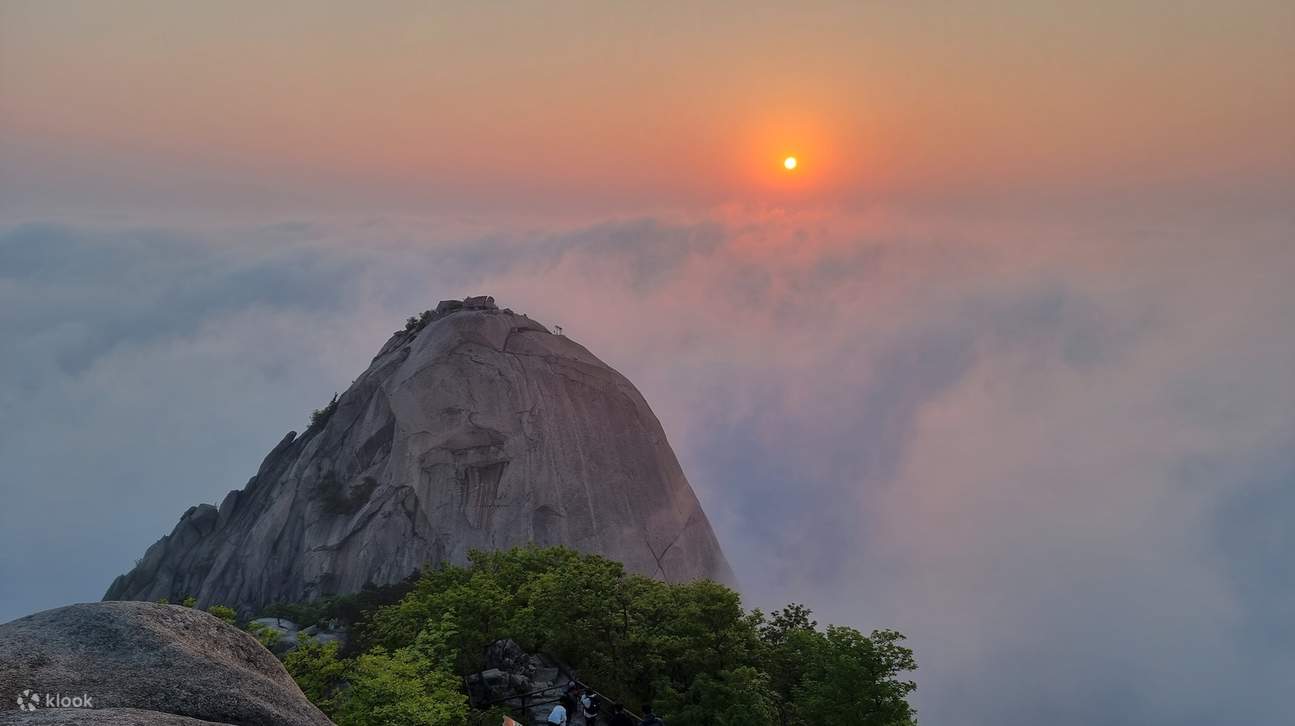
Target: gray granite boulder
<point>284,628</point>
<point>528,684</point>
<point>474,428</point>
<point>145,663</point>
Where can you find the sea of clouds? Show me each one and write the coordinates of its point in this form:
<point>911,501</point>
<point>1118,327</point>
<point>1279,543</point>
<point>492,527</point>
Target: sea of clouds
<point>1057,457</point>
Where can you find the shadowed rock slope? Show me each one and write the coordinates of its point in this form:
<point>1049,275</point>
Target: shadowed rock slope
<point>474,428</point>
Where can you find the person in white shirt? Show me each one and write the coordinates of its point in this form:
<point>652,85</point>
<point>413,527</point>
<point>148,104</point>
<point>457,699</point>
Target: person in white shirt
<point>559,715</point>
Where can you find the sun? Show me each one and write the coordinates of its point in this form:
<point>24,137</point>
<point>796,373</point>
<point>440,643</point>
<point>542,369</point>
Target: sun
<point>789,163</point>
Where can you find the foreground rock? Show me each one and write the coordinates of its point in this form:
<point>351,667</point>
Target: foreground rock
<point>475,428</point>
<point>144,663</point>
<point>101,717</point>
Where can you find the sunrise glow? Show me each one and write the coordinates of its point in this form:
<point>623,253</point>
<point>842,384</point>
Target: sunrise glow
<point>998,383</point>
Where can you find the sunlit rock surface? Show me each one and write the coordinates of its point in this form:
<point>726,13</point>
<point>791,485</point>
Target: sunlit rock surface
<point>478,428</point>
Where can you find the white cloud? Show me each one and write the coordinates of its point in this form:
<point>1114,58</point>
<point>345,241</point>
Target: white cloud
<point>1023,445</point>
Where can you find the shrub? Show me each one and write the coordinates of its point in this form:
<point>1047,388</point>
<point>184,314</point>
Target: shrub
<point>689,646</point>
<point>224,613</point>
<point>320,416</point>
<point>348,609</point>
<point>269,637</point>
<point>415,324</point>
<point>317,670</point>
<point>407,687</point>
<point>400,689</point>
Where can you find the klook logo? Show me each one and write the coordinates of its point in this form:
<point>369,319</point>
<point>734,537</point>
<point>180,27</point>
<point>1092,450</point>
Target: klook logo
<point>30,700</point>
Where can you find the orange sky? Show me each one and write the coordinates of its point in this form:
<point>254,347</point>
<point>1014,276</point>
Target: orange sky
<point>1011,336</point>
<point>628,107</point>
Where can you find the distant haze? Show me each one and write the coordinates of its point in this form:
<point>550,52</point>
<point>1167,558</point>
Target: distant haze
<point>1005,364</point>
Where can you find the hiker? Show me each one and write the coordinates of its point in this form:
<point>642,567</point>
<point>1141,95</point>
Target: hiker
<point>649,718</point>
<point>589,707</point>
<point>573,699</point>
<point>619,717</point>
<point>558,716</point>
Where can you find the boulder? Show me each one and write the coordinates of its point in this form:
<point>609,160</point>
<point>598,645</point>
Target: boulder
<point>291,634</point>
<point>284,627</point>
<point>445,307</point>
<point>525,683</point>
<point>329,632</point>
<point>480,302</point>
<point>479,429</point>
<point>507,656</point>
<point>146,663</point>
<point>288,633</point>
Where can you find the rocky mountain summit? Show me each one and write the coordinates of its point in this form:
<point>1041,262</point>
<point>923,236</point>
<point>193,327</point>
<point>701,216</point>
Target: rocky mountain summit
<point>474,427</point>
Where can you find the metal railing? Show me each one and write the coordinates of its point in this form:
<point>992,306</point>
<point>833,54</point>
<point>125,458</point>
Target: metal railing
<point>546,694</point>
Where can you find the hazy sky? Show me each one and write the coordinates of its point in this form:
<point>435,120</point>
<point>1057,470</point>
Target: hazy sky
<point>1005,364</point>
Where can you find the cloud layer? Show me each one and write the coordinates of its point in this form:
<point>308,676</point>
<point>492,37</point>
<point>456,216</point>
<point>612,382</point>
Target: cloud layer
<point>1056,457</point>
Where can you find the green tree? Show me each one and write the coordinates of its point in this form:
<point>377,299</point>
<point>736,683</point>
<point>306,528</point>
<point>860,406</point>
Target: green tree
<point>410,686</point>
<point>690,647</point>
<point>783,636</point>
<point>224,613</point>
<point>853,678</point>
<point>400,689</point>
<point>738,697</point>
<point>318,671</point>
<point>267,636</point>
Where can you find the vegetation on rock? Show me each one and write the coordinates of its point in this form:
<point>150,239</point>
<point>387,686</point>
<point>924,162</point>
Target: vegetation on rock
<point>267,636</point>
<point>689,648</point>
<point>320,416</point>
<point>224,613</point>
<point>415,324</point>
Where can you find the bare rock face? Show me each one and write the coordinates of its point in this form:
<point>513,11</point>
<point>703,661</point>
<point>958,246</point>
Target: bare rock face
<point>475,428</point>
<point>145,663</point>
